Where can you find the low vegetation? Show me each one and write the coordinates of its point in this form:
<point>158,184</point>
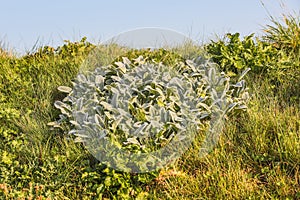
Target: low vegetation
<point>257,156</point>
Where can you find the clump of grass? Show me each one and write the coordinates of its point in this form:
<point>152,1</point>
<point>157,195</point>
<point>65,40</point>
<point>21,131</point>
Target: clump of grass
<point>4,53</point>
<point>286,35</point>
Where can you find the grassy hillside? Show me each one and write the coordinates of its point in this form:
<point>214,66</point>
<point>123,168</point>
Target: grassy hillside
<point>257,157</point>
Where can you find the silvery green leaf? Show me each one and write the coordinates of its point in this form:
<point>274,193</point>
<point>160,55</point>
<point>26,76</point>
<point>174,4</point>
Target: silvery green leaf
<point>204,115</point>
<point>244,73</point>
<point>54,124</point>
<point>148,129</point>
<point>137,124</point>
<point>173,115</point>
<point>106,106</point>
<point>245,95</point>
<point>79,103</point>
<point>81,135</point>
<point>181,95</point>
<point>64,89</point>
<point>114,100</point>
<point>191,64</point>
<point>116,78</point>
<point>62,117</point>
<point>239,84</point>
<point>162,114</point>
<point>179,126</point>
<point>68,99</point>
<point>226,89</point>
<point>180,136</point>
<point>108,115</point>
<point>99,133</point>
<point>201,99</point>
<point>80,116</point>
<point>166,77</point>
<point>203,105</point>
<point>174,99</point>
<point>177,82</point>
<point>155,124</point>
<point>123,113</point>
<point>126,61</point>
<point>64,108</point>
<point>121,66</point>
<point>75,123</point>
<point>230,107</point>
<point>99,80</point>
<point>132,141</point>
<point>242,107</point>
<point>128,122</point>
<point>196,74</point>
<point>214,94</point>
<point>116,123</point>
<point>81,78</point>
<point>151,110</point>
<point>99,120</point>
<point>160,91</point>
<point>72,132</point>
<point>137,131</point>
<point>139,60</point>
<point>114,90</point>
<point>59,104</point>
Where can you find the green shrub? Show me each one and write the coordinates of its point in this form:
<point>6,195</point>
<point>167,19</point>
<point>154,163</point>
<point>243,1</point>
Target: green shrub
<point>234,55</point>
<point>280,67</point>
<point>139,104</point>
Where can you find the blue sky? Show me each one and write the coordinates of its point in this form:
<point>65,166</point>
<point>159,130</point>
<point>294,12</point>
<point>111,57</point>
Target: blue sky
<point>23,23</point>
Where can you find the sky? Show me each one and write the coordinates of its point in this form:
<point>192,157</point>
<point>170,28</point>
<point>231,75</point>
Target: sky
<point>24,24</point>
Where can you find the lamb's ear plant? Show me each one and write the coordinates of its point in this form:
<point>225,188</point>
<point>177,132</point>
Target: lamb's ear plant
<point>136,116</point>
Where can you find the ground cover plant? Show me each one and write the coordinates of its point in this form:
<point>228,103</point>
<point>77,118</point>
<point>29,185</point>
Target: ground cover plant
<point>257,156</point>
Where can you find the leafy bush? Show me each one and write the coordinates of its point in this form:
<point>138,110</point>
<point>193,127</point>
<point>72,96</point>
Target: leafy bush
<point>277,65</point>
<point>234,55</point>
<point>141,104</point>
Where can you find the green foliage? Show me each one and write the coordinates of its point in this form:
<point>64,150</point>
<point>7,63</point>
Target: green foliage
<point>276,65</point>
<point>257,156</point>
<point>234,54</point>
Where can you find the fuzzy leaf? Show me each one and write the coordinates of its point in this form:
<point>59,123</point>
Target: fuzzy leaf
<point>121,66</point>
<point>64,89</point>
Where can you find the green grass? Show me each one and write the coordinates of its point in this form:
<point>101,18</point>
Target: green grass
<point>257,157</point>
